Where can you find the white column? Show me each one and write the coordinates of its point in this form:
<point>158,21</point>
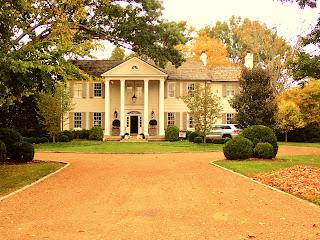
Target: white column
<point>122,99</point>
<point>161,108</point>
<point>146,107</point>
<point>107,108</point>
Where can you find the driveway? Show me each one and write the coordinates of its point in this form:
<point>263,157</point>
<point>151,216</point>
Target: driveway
<point>154,196</point>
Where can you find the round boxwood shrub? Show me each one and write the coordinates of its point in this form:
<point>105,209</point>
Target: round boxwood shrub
<point>192,136</point>
<point>116,123</point>
<point>44,140</point>
<point>172,133</point>
<point>153,122</point>
<point>208,140</point>
<point>63,138</point>
<point>69,134</point>
<point>220,140</point>
<point>238,148</point>
<point>9,137</point>
<point>198,139</point>
<point>263,150</point>
<point>96,133</point>
<point>22,152</point>
<point>260,134</point>
<point>3,151</point>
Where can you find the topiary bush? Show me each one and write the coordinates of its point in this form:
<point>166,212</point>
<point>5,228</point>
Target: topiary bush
<point>63,138</point>
<point>96,133</point>
<point>116,123</point>
<point>238,148</point>
<point>172,133</point>
<point>220,140</point>
<point>198,139</point>
<point>69,134</point>
<point>9,137</point>
<point>193,135</point>
<point>263,150</point>
<point>22,152</point>
<point>260,134</point>
<point>3,151</point>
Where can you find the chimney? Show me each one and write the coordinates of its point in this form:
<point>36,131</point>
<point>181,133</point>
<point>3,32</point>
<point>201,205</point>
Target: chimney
<point>203,58</point>
<point>248,60</point>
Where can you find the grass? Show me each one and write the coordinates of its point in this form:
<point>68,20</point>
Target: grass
<point>297,144</point>
<point>248,168</point>
<point>126,147</point>
<point>14,177</point>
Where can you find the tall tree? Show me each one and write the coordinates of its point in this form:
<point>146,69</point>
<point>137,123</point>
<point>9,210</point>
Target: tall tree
<point>204,108</point>
<point>37,37</point>
<point>117,54</point>
<point>255,104</point>
<point>214,48</point>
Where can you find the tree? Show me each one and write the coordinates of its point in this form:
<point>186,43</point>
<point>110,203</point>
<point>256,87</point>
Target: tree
<point>214,48</point>
<point>204,108</point>
<point>117,54</point>
<point>38,37</point>
<point>289,117</point>
<point>255,104</point>
<point>52,108</point>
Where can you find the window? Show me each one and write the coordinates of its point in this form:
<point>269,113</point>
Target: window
<point>139,89</point>
<point>134,67</point>
<point>190,89</point>
<point>77,88</point>
<point>97,89</point>
<point>97,119</point>
<point>230,89</point>
<point>171,90</point>
<point>77,120</point>
<point>230,118</point>
<point>190,122</point>
<point>170,119</point>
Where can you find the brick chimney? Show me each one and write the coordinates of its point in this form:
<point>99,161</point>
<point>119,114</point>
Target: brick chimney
<point>203,58</point>
<point>248,60</point>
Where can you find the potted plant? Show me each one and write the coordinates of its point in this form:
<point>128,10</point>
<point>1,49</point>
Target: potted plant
<point>115,127</point>
<point>153,130</point>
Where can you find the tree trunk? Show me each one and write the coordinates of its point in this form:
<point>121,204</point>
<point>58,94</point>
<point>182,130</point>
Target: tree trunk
<point>286,137</point>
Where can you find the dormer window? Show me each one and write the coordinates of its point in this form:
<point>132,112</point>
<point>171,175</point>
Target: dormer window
<point>134,67</point>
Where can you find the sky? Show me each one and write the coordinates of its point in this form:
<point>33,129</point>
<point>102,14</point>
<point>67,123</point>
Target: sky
<point>288,18</point>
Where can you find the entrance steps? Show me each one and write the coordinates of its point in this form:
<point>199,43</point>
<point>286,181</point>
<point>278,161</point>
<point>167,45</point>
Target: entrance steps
<point>134,139</point>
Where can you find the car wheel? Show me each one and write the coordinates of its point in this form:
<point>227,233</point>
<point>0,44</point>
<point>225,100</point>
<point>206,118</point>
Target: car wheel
<point>226,136</point>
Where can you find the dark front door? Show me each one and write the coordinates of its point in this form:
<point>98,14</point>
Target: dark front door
<point>134,125</point>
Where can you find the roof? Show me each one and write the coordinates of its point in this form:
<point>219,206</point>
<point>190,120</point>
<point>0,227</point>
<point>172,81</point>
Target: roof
<point>188,71</point>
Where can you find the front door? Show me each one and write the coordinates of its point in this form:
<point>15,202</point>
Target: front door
<point>134,125</point>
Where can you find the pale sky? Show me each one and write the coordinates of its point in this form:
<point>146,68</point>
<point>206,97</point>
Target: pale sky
<point>289,19</point>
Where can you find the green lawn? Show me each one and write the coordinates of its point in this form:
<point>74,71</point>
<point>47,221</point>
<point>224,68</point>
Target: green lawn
<point>126,147</point>
<point>296,144</point>
<point>14,177</point>
<point>249,168</point>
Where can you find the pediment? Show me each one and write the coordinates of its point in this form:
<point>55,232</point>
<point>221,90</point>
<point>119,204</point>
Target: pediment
<point>134,67</point>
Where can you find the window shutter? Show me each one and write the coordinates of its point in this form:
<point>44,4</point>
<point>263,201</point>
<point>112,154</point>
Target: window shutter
<point>185,121</point>
<point>185,89</point>
<point>83,120</point>
<point>71,120</point>
<point>177,90</point>
<point>177,119</point>
<point>165,90</point>
<point>71,89</point>
<point>91,90</point>
<point>237,88</point>
<point>165,120</point>
<point>224,90</point>
<point>224,118</point>
<point>84,89</point>
<point>103,125</point>
<point>103,94</point>
<point>90,120</point>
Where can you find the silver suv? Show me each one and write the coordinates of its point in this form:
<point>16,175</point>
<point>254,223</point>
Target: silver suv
<point>224,131</point>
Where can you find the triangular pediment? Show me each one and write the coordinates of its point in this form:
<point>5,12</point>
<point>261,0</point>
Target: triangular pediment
<point>134,67</point>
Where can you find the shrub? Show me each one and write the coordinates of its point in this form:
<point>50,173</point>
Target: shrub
<point>153,122</point>
<point>116,123</point>
<point>96,133</point>
<point>306,134</point>
<point>38,140</point>
<point>263,150</point>
<point>198,139</point>
<point>172,133</point>
<point>192,136</point>
<point>3,151</point>
<point>22,152</point>
<point>63,138</point>
<point>208,140</point>
<point>69,134</point>
<point>9,137</point>
<point>220,140</point>
<point>44,140</point>
<point>238,148</point>
<point>260,134</point>
<point>81,134</point>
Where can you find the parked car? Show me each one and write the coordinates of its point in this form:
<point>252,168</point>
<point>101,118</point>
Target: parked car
<point>224,131</point>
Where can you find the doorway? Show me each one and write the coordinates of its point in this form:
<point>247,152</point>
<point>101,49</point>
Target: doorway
<point>134,125</point>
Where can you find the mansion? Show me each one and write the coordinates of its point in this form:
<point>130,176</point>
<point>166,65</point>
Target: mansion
<point>126,95</point>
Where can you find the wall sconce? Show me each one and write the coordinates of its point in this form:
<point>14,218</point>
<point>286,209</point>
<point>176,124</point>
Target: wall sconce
<point>134,98</point>
<point>152,114</point>
<point>115,114</point>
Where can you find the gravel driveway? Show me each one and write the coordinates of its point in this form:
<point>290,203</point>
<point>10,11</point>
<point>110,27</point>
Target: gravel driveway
<point>154,196</point>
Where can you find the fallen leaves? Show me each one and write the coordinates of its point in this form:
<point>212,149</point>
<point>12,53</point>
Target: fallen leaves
<point>297,180</point>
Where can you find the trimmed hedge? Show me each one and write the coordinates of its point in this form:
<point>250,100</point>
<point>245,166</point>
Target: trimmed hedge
<point>63,138</point>
<point>208,140</point>
<point>198,139</point>
<point>81,134</point>
<point>96,133</point>
<point>3,151</point>
<point>260,134</point>
<point>306,134</point>
<point>263,150</point>
<point>192,136</point>
<point>238,148</point>
<point>172,133</point>
<point>69,134</point>
<point>22,152</point>
<point>9,137</point>
<point>220,140</point>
